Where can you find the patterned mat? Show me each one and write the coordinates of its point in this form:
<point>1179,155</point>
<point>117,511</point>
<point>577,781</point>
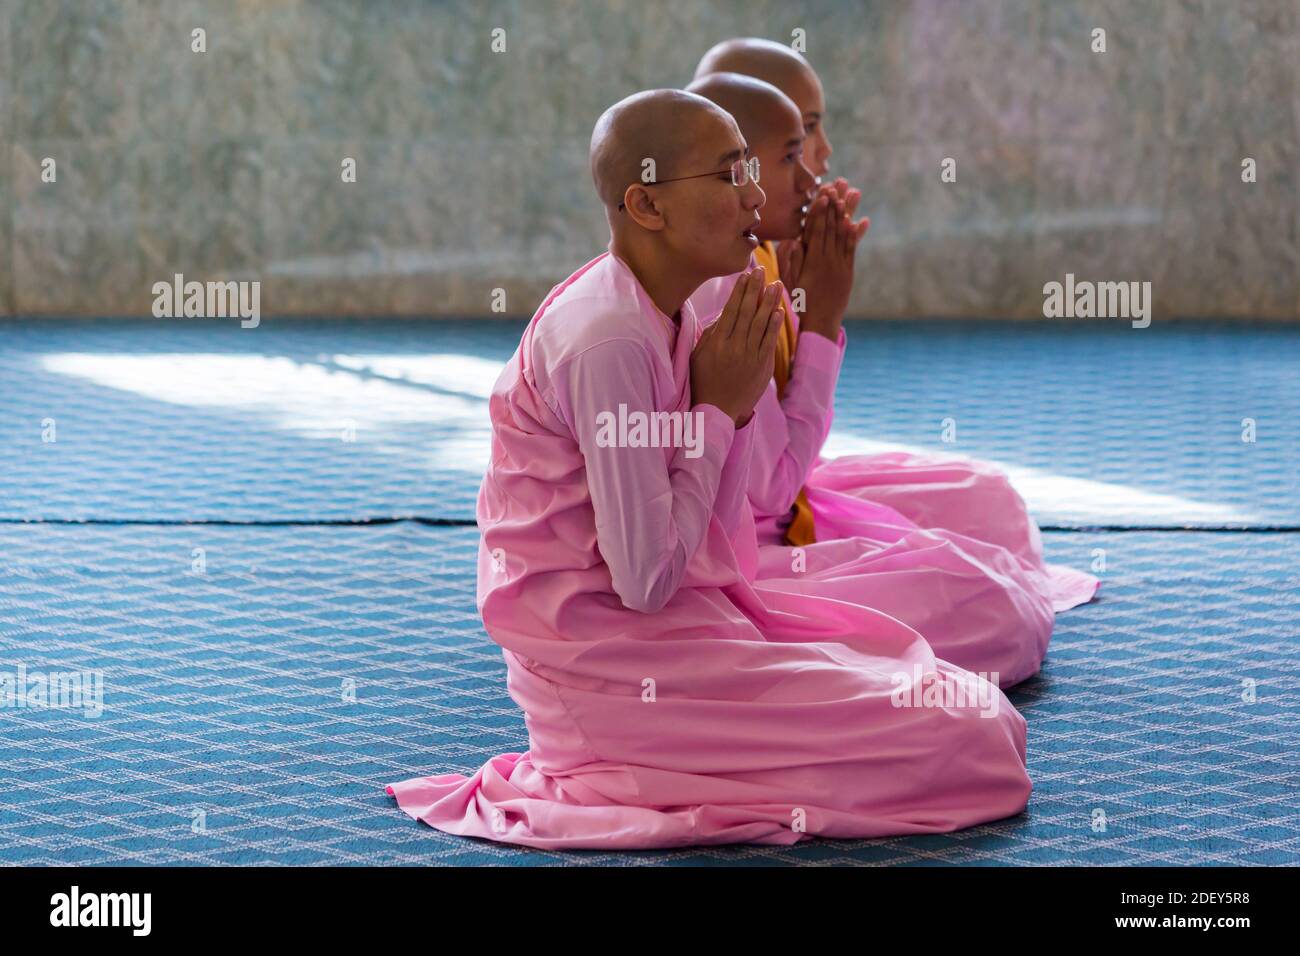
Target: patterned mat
<point>199,421</point>
<point>261,684</point>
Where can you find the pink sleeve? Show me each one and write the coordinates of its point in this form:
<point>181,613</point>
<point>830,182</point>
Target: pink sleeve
<point>733,487</point>
<point>807,408</point>
<point>652,510</point>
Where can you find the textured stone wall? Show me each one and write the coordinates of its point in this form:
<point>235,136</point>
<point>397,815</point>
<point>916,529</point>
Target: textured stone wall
<point>1123,165</point>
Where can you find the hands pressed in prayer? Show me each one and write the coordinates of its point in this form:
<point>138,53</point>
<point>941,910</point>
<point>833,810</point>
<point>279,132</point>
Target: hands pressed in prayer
<point>789,260</point>
<point>790,252</point>
<point>840,188</point>
<point>830,242</point>
<point>732,362</point>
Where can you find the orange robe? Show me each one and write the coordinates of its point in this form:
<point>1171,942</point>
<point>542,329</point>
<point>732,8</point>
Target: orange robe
<point>802,529</point>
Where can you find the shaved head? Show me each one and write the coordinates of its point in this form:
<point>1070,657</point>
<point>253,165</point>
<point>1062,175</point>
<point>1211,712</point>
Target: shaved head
<point>790,73</point>
<point>759,108</point>
<point>768,60</point>
<point>668,126</point>
<point>774,129</point>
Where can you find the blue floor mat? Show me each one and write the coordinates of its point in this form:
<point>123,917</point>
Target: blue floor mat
<point>227,653</point>
<point>329,420</point>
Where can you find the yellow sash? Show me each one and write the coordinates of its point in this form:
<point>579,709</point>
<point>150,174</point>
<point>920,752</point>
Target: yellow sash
<point>802,529</point>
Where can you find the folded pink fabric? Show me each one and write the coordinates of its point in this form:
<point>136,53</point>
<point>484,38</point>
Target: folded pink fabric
<point>966,497</point>
<point>941,541</point>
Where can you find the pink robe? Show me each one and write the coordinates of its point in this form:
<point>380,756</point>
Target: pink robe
<point>670,699</point>
<point>942,542</point>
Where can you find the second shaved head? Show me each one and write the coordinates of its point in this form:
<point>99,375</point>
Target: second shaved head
<point>773,128</point>
<point>759,108</point>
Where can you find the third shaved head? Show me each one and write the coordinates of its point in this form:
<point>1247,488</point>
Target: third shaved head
<point>789,72</point>
<point>768,60</point>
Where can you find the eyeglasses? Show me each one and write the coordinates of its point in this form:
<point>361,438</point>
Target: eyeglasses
<point>742,172</point>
